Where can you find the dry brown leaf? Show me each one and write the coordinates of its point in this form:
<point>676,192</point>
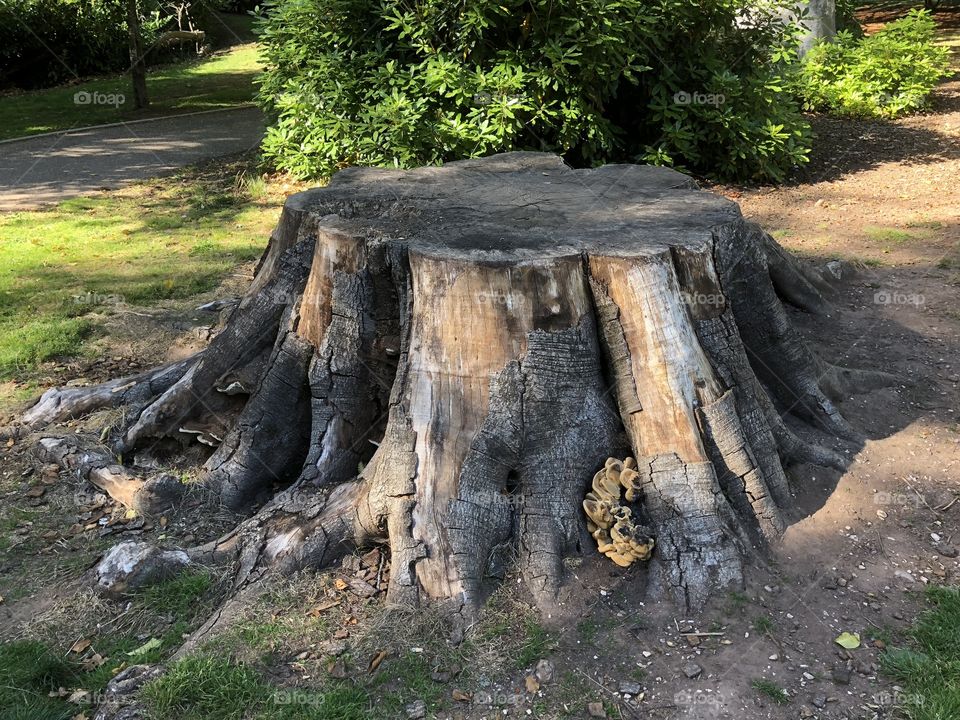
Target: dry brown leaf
<point>80,645</point>
<point>377,660</point>
<point>78,696</point>
<point>461,696</point>
<point>339,584</point>
<point>326,605</point>
<point>532,684</point>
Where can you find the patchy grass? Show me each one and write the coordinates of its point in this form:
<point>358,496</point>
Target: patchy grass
<point>889,234</point>
<point>763,624</point>
<point>929,671</point>
<point>771,690</point>
<point>222,80</point>
<point>29,672</point>
<point>165,239</point>
<point>208,687</point>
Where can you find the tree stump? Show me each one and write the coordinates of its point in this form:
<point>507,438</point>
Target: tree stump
<point>441,359</point>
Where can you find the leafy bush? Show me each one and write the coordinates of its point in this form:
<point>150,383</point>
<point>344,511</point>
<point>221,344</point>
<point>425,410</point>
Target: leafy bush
<point>401,82</point>
<point>48,42</point>
<point>883,75</point>
<point>44,42</point>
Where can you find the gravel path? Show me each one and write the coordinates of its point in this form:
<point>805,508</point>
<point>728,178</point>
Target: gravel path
<point>49,168</point>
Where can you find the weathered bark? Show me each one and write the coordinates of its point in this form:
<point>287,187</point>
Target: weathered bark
<point>442,359</point>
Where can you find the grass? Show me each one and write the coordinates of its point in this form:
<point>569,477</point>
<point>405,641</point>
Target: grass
<point>222,80</point>
<point>929,670</point>
<point>68,267</point>
<point>771,690</point>
<point>889,234</point>
<point>29,672</point>
<point>205,687</point>
<point>763,624</point>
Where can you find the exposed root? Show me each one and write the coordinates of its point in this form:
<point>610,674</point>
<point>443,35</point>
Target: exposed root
<point>58,404</point>
<point>149,496</point>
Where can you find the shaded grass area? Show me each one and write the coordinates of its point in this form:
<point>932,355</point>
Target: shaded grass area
<point>164,239</point>
<point>40,680</point>
<point>222,80</point>
<point>929,670</point>
<point>241,675</point>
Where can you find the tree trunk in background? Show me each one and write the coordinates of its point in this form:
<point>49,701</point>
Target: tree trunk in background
<point>440,360</point>
<point>138,70</point>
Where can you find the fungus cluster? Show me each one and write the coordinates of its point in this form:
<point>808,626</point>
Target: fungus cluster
<point>609,521</point>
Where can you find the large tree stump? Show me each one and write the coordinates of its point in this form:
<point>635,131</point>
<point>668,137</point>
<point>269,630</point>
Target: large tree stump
<point>441,359</point>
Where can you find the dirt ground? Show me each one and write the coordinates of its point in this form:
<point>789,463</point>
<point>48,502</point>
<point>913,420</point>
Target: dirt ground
<point>884,196</point>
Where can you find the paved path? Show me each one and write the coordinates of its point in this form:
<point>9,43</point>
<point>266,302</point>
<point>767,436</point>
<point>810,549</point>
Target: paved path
<point>50,168</point>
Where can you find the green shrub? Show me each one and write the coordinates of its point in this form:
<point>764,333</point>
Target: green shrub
<point>48,42</point>
<point>44,42</point>
<point>403,83</point>
<point>884,75</point>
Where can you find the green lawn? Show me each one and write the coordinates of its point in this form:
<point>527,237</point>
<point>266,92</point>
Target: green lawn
<point>928,669</point>
<point>222,80</point>
<point>66,266</point>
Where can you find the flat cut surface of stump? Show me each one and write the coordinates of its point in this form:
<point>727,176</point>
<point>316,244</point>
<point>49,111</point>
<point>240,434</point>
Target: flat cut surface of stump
<point>523,205</point>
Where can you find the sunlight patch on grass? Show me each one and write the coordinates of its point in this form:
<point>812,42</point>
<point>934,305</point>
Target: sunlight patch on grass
<point>222,80</point>
<point>68,266</point>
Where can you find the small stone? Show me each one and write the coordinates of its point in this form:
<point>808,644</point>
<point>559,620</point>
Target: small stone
<point>904,575</point>
<point>949,551</point>
<point>774,657</point>
<point>841,582</point>
<point>692,670</point>
<point>808,676</point>
<point>819,701</point>
<point>416,710</point>
<point>545,671</point>
<point>595,710</point>
<point>628,687</point>
<point>841,675</point>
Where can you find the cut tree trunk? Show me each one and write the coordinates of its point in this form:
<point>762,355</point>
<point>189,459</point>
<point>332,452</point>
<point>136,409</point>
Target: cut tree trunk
<point>441,359</point>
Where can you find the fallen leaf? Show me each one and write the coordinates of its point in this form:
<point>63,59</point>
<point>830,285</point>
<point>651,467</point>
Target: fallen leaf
<point>337,670</point>
<point>377,659</point>
<point>80,645</point>
<point>78,696</point>
<point>35,492</point>
<point>339,584</point>
<point>532,684</point>
<point>848,640</point>
<point>317,609</point>
<point>461,696</point>
<point>93,662</point>
<point>151,644</point>
<point>80,716</point>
